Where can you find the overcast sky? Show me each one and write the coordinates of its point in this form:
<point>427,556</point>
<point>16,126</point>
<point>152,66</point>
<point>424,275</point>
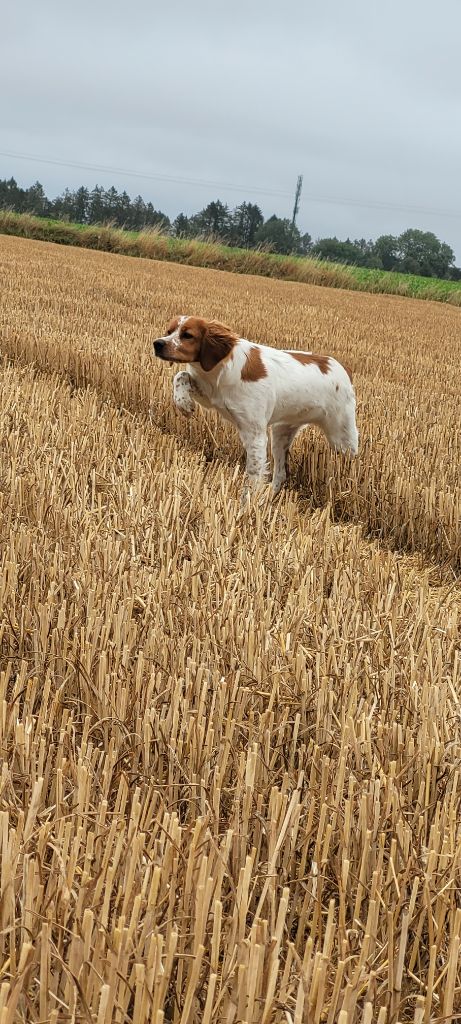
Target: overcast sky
<point>361,98</point>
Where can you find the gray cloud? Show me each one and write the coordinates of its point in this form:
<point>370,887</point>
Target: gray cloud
<point>362,100</point>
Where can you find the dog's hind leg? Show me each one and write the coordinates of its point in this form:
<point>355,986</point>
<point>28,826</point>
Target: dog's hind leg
<point>282,436</point>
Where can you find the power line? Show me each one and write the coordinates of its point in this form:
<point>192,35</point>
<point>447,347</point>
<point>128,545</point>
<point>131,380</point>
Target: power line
<point>147,177</point>
<point>248,189</point>
<point>373,204</point>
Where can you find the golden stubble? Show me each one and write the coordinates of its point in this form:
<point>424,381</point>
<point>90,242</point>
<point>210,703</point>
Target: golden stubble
<point>230,739</point>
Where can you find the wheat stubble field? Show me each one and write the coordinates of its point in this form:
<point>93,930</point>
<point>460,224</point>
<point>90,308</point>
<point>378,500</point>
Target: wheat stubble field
<point>230,740</point>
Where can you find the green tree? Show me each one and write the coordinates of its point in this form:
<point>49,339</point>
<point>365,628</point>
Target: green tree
<point>64,205</point>
<point>279,235</point>
<point>138,214</point>
<point>96,212</point>
<point>245,221</point>
<point>81,204</point>
<point>123,210</point>
<point>213,220</point>
<point>336,251</point>
<point>35,200</point>
<point>357,253</point>
<point>12,197</point>
<point>305,245</point>
<point>421,252</point>
<point>367,257</point>
<point>155,218</point>
<point>111,201</point>
<point>386,251</point>
<point>181,226</point>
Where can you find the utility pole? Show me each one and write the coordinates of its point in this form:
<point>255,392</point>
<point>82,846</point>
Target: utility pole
<point>299,185</point>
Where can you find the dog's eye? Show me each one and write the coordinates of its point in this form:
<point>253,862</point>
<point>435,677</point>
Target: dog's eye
<point>186,334</point>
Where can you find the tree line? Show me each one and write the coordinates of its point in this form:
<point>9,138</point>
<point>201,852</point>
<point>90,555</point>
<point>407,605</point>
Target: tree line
<point>412,252</point>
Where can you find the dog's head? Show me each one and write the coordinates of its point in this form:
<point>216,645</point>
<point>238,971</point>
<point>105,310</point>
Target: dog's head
<point>190,339</point>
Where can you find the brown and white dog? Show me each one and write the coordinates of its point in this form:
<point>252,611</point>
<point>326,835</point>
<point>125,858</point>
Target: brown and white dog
<point>257,387</point>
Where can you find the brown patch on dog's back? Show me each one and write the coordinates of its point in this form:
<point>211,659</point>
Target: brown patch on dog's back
<point>253,369</point>
<point>323,362</point>
<point>348,371</point>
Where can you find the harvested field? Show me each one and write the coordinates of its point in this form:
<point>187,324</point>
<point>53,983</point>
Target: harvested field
<point>230,741</point>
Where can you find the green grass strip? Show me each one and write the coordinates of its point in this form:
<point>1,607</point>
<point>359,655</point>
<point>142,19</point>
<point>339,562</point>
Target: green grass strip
<point>155,245</point>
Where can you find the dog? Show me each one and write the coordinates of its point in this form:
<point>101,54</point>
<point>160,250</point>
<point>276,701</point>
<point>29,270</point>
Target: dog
<point>256,387</point>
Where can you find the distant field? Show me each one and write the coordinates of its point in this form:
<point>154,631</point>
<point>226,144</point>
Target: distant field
<point>230,742</point>
<point>155,245</point>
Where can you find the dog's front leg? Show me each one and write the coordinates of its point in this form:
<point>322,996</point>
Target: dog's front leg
<point>187,392</point>
<point>254,440</point>
<point>183,393</point>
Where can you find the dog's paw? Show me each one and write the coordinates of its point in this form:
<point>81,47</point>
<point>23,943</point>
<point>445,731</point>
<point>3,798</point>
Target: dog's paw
<point>185,410</point>
<point>185,404</point>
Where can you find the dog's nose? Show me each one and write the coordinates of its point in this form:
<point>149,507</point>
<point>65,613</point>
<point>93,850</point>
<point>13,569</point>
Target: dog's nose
<point>159,345</point>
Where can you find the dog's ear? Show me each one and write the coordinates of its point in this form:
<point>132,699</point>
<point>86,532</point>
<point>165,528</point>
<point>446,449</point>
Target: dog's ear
<point>217,342</point>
